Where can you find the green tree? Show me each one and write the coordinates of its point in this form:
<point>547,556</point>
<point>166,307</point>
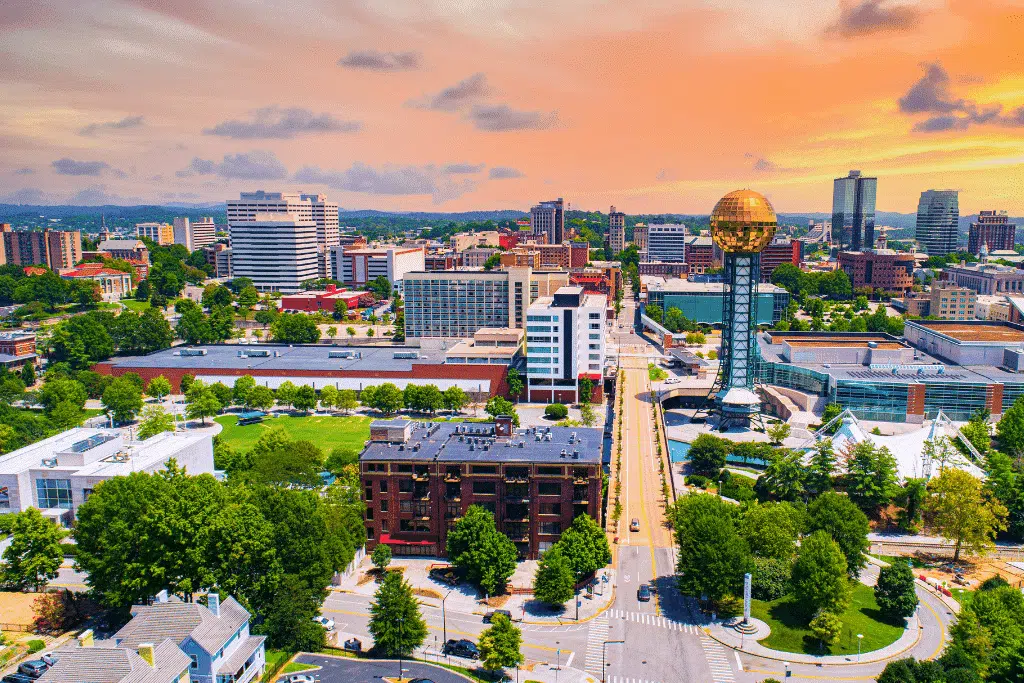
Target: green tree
<point>339,459</point>
<point>492,262</point>
<point>770,530</point>
<point>556,411</point>
<point>154,421</point>
<point>845,523</point>
<point>248,297</point>
<point>654,312</point>
<point>832,410</point>
<point>895,592</point>
<point>819,575</point>
<point>305,398</point>
<point>455,399</point>
<point>789,277</point>
<point>515,383</point>
<point>11,389</point>
<point>381,556</point>
<point>871,480</point>
<point>771,577</point>
<point>911,502</point>
<point>60,390</point>
<point>821,468</point>
<point>286,393</point>
<point>585,545</point>
<point>82,340</point>
<point>827,628</point>
<point>328,396</point>
<point>122,399</point>
<point>1010,429</point>
<point>960,511</point>
<point>554,582</point>
<point>778,432</point>
<point>34,554</point>
<point>783,479</point>
<point>387,398</point>
<point>295,328</point>
<point>988,636</point>
<point>28,374</point>
<point>288,463</point>
<point>240,391</point>
<point>66,415</point>
<point>194,327</point>
<point>340,309</point>
<point>501,645</point>
<point>260,398</point>
<point>707,455</point>
<point>288,616</point>
<point>587,416</point>
<point>431,399</point>
<point>487,555</point>
<point>395,622</point>
<point>346,401</point>
<point>159,387</point>
<point>496,405</point>
<point>201,402</point>
<point>712,557</point>
<point>977,432</point>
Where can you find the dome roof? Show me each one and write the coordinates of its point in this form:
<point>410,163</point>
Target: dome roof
<point>743,222</point>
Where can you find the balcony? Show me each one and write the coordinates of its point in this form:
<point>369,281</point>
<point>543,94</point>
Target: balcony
<point>452,477</point>
<point>421,476</point>
<point>580,480</point>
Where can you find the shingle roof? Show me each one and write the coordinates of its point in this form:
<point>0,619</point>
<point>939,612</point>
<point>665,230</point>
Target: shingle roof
<point>180,620</point>
<point>238,657</point>
<point>116,665</point>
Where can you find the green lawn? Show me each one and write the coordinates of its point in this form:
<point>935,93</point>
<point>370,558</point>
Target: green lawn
<point>326,431</point>
<point>275,658</point>
<point>655,373</point>
<point>791,634</point>
<point>296,666</point>
<point>962,596</point>
<point>136,306</point>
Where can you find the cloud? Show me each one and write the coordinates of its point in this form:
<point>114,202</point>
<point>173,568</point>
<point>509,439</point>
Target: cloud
<point>24,171</point>
<point>670,173</point>
<point>279,123</point>
<point>94,195</point>
<point>765,165</point>
<point>389,180</point>
<point>26,195</point>
<point>123,124</point>
<point>463,168</point>
<point>455,97</point>
<point>931,95</point>
<point>255,165</point>
<point>866,17</point>
<point>67,166</point>
<point>501,117</point>
<point>372,60</point>
<point>505,172</point>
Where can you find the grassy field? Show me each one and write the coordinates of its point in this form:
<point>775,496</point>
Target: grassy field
<point>136,306</point>
<point>791,634</point>
<point>326,431</point>
<point>293,667</point>
<point>275,658</point>
<point>655,373</point>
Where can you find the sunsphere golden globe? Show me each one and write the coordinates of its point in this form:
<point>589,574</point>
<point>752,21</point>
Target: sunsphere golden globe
<point>743,222</point>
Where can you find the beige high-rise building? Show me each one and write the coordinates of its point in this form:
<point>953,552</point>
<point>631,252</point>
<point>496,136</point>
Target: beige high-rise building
<point>950,302</point>
<point>56,249</point>
<point>616,230</point>
<point>195,234</point>
<point>161,233</point>
<point>640,237</point>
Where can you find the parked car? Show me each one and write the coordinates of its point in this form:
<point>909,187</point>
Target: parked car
<point>421,680</point>
<point>49,659</point>
<point>353,645</point>
<point>301,678</point>
<point>17,678</point>
<point>634,524</point>
<point>34,668</point>
<point>489,617</point>
<point>461,648</point>
<point>446,575</point>
<point>672,380</point>
<point>328,624</point>
<point>643,594</point>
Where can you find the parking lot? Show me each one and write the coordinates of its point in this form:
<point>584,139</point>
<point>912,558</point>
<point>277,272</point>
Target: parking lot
<point>344,670</point>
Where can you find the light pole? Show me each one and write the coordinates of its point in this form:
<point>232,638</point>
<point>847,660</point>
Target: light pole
<point>860,638</point>
<point>576,596</point>
<point>444,620</point>
<point>400,620</point>
<point>604,646</point>
<point>558,657</point>
<point>786,664</point>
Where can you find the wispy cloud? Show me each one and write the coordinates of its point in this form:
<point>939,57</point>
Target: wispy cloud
<point>501,117</point>
<point>865,17</point>
<point>389,180</point>
<point>504,173</point>
<point>931,95</point>
<point>24,171</point>
<point>463,168</point>
<point>277,123</point>
<point>67,166</point>
<point>121,124</point>
<point>454,98</point>
<point>255,165</point>
<point>373,60</point>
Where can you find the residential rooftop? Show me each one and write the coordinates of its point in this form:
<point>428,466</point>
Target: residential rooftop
<point>477,442</point>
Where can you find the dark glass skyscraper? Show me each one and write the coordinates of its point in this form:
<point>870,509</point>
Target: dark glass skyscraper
<point>938,214</point>
<point>853,212</point>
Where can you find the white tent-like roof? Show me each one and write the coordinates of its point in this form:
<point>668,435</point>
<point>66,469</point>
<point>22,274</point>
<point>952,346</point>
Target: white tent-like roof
<point>908,449</point>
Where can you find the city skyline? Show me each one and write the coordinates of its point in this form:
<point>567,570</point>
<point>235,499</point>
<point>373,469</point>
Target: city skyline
<point>419,108</point>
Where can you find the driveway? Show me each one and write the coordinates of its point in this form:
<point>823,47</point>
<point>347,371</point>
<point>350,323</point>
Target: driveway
<point>345,670</point>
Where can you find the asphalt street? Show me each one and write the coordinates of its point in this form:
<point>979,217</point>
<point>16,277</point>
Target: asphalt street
<point>343,670</point>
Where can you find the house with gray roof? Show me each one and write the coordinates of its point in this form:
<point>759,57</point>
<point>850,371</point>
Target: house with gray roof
<point>101,662</point>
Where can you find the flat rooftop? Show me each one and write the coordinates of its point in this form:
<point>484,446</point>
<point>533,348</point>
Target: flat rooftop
<point>475,442</point>
<point>844,341</point>
<point>681,286</point>
<point>283,358</point>
<point>992,331</point>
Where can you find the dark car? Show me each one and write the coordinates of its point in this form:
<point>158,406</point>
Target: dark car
<point>34,668</point>
<point>421,680</point>
<point>353,645</point>
<point>49,659</point>
<point>17,678</point>
<point>489,617</point>
<point>643,594</point>
<point>461,648</point>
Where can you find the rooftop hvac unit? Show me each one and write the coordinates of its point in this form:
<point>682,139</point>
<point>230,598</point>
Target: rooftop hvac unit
<point>49,462</point>
<point>563,453</point>
<point>193,352</point>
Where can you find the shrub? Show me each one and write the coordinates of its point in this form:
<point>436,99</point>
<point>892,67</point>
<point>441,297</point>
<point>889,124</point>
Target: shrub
<point>556,411</point>
<point>739,488</point>
<point>698,480</point>
<point>35,645</point>
<point>770,580</point>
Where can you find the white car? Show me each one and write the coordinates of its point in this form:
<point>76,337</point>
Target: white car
<point>328,624</point>
<point>672,380</point>
<point>301,678</point>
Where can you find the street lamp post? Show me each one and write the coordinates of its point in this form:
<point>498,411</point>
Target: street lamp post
<point>604,646</point>
<point>576,597</point>
<point>444,619</point>
<point>399,621</point>
<point>860,638</point>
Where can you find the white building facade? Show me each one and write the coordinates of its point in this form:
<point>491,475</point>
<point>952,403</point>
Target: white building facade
<point>277,251</point>
<point>565,342</point>
<point>360,266</point>
<point>666,243</point>
<point>196,234</point>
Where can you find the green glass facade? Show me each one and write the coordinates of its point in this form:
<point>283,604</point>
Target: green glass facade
<point>706,307</point>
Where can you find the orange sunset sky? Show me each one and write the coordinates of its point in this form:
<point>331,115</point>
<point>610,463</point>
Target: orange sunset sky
<point>442,105</point>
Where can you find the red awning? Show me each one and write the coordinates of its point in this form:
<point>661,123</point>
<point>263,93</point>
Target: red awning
<point>596,377</point>
<point>386,538</point>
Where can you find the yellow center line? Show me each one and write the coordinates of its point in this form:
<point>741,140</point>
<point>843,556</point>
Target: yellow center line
<point>942,632</point>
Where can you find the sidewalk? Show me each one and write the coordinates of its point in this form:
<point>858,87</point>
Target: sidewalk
<point>465,599</point>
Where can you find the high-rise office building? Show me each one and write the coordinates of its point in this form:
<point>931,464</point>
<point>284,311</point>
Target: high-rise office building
<point>853,211</point>
<point>277,251</point>
<point>938,214</point>
<point>666,243</point>
<point>161,233</point>
<point>994,229</point>
<point>640,237</point>
<point>194,234</point>
<point>548,218</point>
<point>565,343</point>
<point>616,230</point>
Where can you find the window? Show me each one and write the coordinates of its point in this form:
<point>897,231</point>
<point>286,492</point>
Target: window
<point>405,467</point>
<point>385,527</point>
<point>551,527</point>
<point>595,337</point>
<point>485,469</point>
<point>550,470</point>
<point>369,513</point>
<point>595,326</point>
<point>54,493</point>
<point>384,505</point>
<point>194,664</point>
<point>483,487</point>
<point>595,316</point>
<point>405,485</point>
<point>369,532</point>
<point>549,488</point>
<point>550,508</point>
<point>383,485</point>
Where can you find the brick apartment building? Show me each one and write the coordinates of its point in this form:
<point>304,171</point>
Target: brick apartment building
<point>883,269</point>
<point>17,349</point>
<point>55,249</point>
<point>419,478</point>
<point>778,252</point>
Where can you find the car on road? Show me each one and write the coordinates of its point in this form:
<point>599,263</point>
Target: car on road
<point>49,659</point>
<point>301,678</point>
<point>489,617</point>
<point>328,624</point>
<point>643,593</point>
<point>34,668</point>
<point>672,380</point>
<point>634,524</point>
<point>461,648</point>
<point>353,645</point>
<point>421,680</point>
<point>17,678</point>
